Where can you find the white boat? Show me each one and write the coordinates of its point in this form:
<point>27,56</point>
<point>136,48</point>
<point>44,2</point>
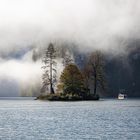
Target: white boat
<point>122,96</point>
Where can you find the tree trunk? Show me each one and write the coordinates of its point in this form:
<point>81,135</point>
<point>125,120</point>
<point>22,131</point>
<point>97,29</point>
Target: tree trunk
<point>51,89</point>
<point>51,82</point>
<point>95,83</point>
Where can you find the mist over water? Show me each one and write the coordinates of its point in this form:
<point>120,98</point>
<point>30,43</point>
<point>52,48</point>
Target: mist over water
<point>109,25</point>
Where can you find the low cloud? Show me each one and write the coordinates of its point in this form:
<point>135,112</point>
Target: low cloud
<point>109,25</point>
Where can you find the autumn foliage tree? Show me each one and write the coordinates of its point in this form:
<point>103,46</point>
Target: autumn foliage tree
<point>72,80</point>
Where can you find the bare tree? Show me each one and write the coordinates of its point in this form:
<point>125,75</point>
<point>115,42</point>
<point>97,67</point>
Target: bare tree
<point>96,65</point>
<point>86,72</point>
<point>49,75</point>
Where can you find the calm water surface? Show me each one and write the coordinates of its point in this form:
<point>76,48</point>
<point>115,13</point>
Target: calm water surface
<point>94,120</point>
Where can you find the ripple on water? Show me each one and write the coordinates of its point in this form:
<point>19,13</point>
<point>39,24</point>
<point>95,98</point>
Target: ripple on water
<point>41,120</point>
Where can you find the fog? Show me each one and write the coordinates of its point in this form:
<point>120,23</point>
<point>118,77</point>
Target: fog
<point>108,25</point>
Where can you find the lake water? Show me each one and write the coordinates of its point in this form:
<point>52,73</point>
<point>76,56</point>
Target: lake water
<point>86,120</point>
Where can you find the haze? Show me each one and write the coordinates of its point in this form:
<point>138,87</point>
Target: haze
<point>108,25</point>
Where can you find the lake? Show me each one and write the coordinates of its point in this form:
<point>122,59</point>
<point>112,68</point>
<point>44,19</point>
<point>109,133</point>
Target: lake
<point>108,119</point>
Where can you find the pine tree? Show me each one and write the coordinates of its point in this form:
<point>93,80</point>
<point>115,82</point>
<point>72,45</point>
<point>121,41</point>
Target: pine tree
<point>49,75</point>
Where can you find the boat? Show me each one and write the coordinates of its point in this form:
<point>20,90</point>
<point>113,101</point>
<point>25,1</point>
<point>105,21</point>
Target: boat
<point>122,94</point>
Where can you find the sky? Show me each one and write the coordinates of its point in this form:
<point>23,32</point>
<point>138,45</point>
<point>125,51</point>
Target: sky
<point>108,25</point>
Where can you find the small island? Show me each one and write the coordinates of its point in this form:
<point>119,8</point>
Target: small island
<point>74,84</point>
<point>67,97</point>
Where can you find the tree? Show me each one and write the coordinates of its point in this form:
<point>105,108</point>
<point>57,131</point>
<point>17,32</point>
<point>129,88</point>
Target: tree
<point>86,72</point>
<point>96,66</point>
<point>72,80</point>
<point>67,58</point>
<point>49,75</point>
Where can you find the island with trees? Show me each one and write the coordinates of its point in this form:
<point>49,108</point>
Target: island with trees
<point>74,83</point>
